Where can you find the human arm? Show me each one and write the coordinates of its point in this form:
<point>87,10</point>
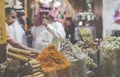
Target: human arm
<point>15,44</point>
<point>57,30</point>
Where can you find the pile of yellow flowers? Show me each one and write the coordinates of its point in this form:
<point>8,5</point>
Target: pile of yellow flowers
<point>85,31</point>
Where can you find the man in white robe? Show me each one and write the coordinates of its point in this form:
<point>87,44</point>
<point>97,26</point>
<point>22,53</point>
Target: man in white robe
<point>47,31</point>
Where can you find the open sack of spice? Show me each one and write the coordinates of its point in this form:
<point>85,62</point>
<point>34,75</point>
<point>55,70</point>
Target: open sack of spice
<point>89,47</point>
<point>77,59</point>
<point>110,57</point>
<point>53,62</point>
<point>81,63</point>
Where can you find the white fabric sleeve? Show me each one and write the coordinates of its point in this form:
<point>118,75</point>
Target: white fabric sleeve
<point>57,30</point>
<point>8,33</point>
<point>32,30</point>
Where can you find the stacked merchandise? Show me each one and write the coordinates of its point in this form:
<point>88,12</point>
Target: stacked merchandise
<point>53,62</point>
<point>110,57</point>
<point>84,31</point>
<point>32,68</point>
<point>93,31</point>
<point>21,63</point>
<point>90,49</point>
<point>77,59</point>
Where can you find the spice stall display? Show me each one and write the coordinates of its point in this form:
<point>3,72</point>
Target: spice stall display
<point>21,63</point>
<point>90,48</point>
<point>79,49</point>
<point>53,62</point>
<point>109,58</point>
<point>87,44</point>
<point>77,59</point>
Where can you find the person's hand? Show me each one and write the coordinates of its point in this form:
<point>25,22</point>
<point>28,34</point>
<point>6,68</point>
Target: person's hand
<point>34,51</point>
<point>45,21</point>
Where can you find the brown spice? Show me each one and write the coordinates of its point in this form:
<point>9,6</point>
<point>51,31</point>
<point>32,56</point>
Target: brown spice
<point>51,59</point>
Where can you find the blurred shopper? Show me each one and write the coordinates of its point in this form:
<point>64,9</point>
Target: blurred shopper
<point>77,33</point>
<point>46,30</point>
<point>17,27</point>
<point>11,18</point>
<point>70,29</point>
<point>28,32</point>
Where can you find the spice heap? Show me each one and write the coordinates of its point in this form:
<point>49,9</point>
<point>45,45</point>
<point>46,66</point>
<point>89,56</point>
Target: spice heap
<point>110,57</point>
<point>51,59</point>
<point>82,56</point>
<point>76,57</point>
<point>85,31</point>
<point>90,48</point>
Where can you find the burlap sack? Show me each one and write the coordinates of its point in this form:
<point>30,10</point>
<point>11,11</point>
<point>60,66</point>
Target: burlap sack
<point>78,68</point>
<point>116,63</point>
<point>90,74</point>
<point>94,56</point>
<point>106,65</point>
<point>63,72</point>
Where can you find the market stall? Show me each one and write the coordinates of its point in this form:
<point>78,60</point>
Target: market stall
<point>86,58</point>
